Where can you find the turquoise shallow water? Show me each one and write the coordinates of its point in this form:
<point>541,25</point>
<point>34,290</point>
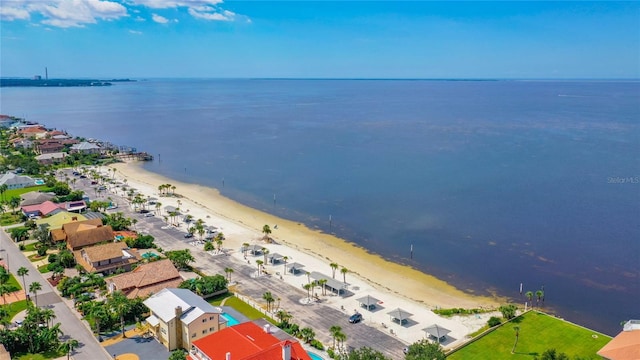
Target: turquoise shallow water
<point>494,183</point>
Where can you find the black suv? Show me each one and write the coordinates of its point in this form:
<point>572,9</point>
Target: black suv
<point>355,318</point>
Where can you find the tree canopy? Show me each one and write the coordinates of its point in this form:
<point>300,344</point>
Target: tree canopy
<point>424,349</point>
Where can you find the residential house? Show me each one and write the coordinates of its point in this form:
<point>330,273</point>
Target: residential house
<point>73,206</point>
<point>79,234</point>
<point>55,222</point>
<point>106,258</point>
<point>36,132</point>
<point>86,148</point>
<point>248,341</point>
<point>45,209</point>
<point>48,146</point>
<point>14,181</point>
<point>51,158</point>
<point>20,143</point>
<point>35,198</point>
<point>626,345</point>
<point>146,279</point>
<point>179,317</point>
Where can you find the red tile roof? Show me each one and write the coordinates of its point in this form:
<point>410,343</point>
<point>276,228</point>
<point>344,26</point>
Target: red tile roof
<point>45,208</point>
<point>247,341</point>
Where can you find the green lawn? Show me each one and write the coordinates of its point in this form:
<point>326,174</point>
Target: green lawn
<point>242,307</point>
<point>17,192</point>
<point>43,269</point>
<point>36,257</point>
<point>538,332</point>
<point>13,283</point>
<point>9,219</point>
<point>15,308</point>
<point>30,247</point>
<point>43,356</point>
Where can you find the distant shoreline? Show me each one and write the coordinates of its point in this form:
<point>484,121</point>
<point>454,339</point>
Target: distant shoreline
<point>22,82</point>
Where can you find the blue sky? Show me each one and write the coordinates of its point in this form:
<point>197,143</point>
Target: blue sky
<point>323,39</point>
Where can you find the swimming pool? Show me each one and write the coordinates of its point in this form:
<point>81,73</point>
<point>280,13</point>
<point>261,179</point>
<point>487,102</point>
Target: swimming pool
<point>314,356</point>
<point>230,319</point>
<point>39,182</point>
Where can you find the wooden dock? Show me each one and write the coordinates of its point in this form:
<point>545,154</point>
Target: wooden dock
<point>139,156</point>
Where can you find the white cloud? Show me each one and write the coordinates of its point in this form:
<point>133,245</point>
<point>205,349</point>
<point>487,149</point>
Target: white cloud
<point>79,13</point>
<point>166,4</point>
<point>63,13</point>
<point>10,12</point>
<point>159,19</point>
<point>135,32</point>
<point>210,14</point>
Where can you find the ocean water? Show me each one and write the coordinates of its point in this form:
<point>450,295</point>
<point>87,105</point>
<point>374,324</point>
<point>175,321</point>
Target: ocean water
<point>493,183</point>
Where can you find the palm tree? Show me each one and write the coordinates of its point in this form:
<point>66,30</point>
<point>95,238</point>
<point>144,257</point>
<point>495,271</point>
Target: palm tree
<point>539,295</point>
<point>228,271</point>
<point>307,334</point>
<point>23,271</point>
<point>47,315</point>
<point>334,330</point>
<point>344,272</point>
<point>529,295</point>
<point>97,313</point>
<point>4,290</point>
<point>3,189</point>
<point>259,262</point>
<point>322,283</point>
<point>245,248</point>
<point>120,305</point>
<point>266,230</point>
<point>265,252</point>
<point>283,316</point>
<point>34,288</point>
<point>517,329</point>
<point>69,345</point>
<point>341,337</point>
<point>268,297</point>
<point>308,288</point>
<point>284,259</point>
<point>308,277</point>
<point>334,267</point>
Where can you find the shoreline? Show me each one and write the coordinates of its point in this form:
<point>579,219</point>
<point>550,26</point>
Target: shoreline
<point>401,280</point>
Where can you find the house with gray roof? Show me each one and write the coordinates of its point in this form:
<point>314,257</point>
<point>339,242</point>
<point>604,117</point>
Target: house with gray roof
<point>86,148</point>
<point>51,158</point>
<point>14,181</point>
<point>179,317</point>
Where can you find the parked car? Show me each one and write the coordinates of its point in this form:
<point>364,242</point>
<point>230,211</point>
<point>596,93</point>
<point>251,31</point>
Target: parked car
<point>148,215</point>
<point>188,235</point>
<point>355,318</point>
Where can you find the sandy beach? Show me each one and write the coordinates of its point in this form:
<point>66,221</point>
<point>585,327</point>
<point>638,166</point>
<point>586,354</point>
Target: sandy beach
<point>412,290</point>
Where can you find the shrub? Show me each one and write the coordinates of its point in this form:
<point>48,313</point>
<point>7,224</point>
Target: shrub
<point>52,258</point>
<point>42,251</point>
<point>22,247</point>
<point>494,321</point>
<point>317,344</point>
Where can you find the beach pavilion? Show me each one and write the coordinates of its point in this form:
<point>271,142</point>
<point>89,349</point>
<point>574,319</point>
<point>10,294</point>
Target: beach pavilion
<point>274,258</point>
<point>294,268</point>
<point>437,332</point>
<point>333,284</point>
<point>368,302</point>
<point>254,249</point>
<point>400,316</point>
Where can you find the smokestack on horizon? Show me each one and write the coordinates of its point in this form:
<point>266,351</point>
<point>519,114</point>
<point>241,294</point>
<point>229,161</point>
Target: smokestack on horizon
<point>46,73</point>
